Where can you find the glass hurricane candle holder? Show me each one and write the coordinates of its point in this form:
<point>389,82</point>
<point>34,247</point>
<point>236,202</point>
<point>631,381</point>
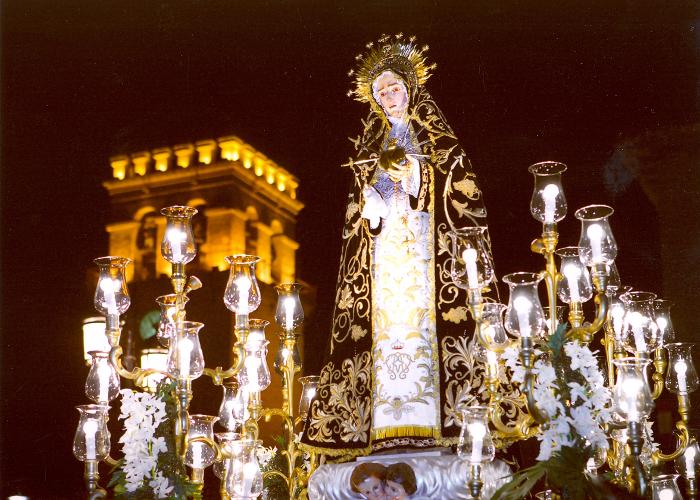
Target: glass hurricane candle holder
<point>492,329</point>
<point>244,479</point>
<point>560,312</point>
<point>687,464</point>
<point>255,375</point>
<point>471,266</point>
<point>256,330</point>
<point>200,455</point>
<point>283,353</point>
<point>614,283</point>
<point>91,440</point>
<point>289,314</point>
<point>155,359</point>
<point>94,337</point>
<point>681,377</point>
<point>168,310</point>
<point>616,315</point>
<point>112,295</point>
<point>631,395</point>
<point>233,410</point>
<point>548,204</point>
<point>242,295</point>
<point>309,384</point>
<point>185,356</point>
<point>178,245</point>
<point>664,487</point>
<point>597,243</point>
<point>475,444</point>
<point>576,283</point>
<point>524,315</point>
<point>102,382</point>
<point>639,333</point>
<point>662,318</point>
<point>224,439</point>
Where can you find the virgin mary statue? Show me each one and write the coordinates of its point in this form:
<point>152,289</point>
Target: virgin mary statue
<point>399,360</point>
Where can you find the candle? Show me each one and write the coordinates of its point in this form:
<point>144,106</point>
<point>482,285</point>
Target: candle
<point>108,286</point>
<point>492,362</point>
<point>90,429</point>
<point>630,391</point>
<point>572,274</point>
<point>595,235</point>
<point>103,375</point>
<point>666,494</point>
<point>249,471</point>
<point>184,347</point>
<point>662,323</point>
<point>522,308</point>
<point>469,257</point>
<point>636,320</point>
<point>252,364</point>
<point>289,313</point>
<point>617,314</point>
<point>478,431</point>
<point>243,284</point>
<point>549,194</point>
<point>681,368</point>
<point>689,456</point>
<point>197,455</point>
<point>176,237</point>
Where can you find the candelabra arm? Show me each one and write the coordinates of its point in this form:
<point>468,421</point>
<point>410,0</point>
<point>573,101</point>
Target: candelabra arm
<point>660,365</point>
<point>585,333</point>
<point>475,482</point>
<point>658,457</point>
<point>218,374</point>
<point>92,478</point>
<point>520,429</point>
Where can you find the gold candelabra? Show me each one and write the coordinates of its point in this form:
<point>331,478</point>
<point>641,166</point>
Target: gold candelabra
<point>243,382</point>
<point>629,323</point>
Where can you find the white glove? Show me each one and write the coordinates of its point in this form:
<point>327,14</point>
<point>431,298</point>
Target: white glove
<point>374,207</point>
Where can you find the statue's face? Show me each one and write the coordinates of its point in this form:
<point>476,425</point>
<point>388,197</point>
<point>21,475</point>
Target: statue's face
<point>392,94</point>
<point>372,488</point>
<point>394,491</point>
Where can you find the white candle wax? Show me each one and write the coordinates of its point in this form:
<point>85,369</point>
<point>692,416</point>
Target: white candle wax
<point>197,455</point>
<point>595,236</point>
<point>636,321</point>
<point>666,494</point>
<point>184,347</point>
<point>243,284</point>
<point>252,364</point>
<point>289,313</point>
<point>689,458</point>
<point>572,274</point>
<point>176,237</point>
<point>549,195</point>
<point>522,308</point>
<point>103,373</point>
<point>108,286</point>
<point>477,431</point>
<point>681,368</point>
<point>469,256</point>
<point>492,362</point>
<point>90,430</point>
<point>249,471</point>
<point>630,391</point>
<point>617,315</point>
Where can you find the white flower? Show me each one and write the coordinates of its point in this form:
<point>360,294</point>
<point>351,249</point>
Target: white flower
<point>265,455</point>
<point>160,485</point>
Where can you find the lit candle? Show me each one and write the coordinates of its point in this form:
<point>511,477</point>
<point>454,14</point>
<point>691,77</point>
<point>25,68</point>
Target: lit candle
<point>108,286</point>
<point>549,194</point>
<point>666,494</point>
<point>184,347</point>
<point>617,314</point>
<point>522,309</point>
<point>197,455</point>
<point>252,364</point>
<point>478,431</point>
<point>103,375</point>
<point>681,368</point>
<point>243,284</point>
<point>176,237</point>
<point>595,235</point>
<point>289,313</point>
<point>636,321</point>
<point>469,256</point>
<point>90,429</point>
<point>572,274</point>
<point>689,456</point>
<point>249,471</point>
<point>630,390</point>
<point>662,323</point>
<point>492,361</point>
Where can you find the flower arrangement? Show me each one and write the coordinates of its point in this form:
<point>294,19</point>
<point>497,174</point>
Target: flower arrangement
<point>150,467</point>
<point>570,391</point>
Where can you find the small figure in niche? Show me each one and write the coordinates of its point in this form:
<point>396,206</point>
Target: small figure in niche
<point>400,482</point>
<point>368,479</point>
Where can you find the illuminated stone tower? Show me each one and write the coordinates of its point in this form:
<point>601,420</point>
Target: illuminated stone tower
<point>246,204</point>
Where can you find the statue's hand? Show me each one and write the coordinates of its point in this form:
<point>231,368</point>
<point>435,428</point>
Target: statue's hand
<point>395,162</point>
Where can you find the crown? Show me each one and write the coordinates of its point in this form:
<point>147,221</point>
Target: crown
<point>396,54</point>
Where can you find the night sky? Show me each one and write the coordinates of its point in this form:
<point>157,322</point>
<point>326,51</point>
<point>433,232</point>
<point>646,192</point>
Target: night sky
<point>85,80</point>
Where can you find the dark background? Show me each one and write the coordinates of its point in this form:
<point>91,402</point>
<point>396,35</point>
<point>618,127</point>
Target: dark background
<point>520,82</point>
